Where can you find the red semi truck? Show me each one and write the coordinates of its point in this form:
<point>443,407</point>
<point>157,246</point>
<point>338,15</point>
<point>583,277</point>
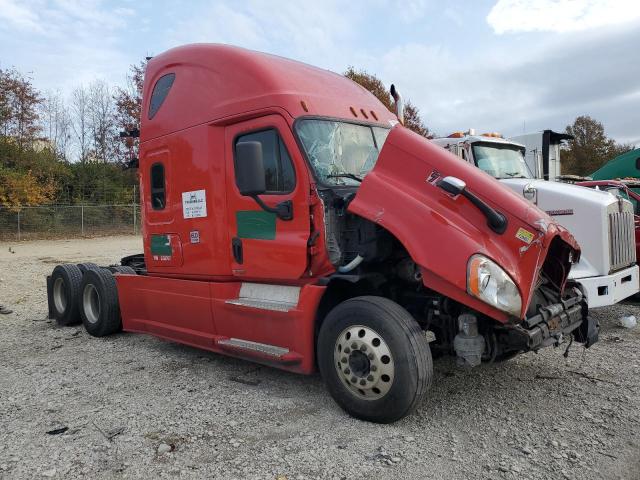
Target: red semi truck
<point>290,219</point>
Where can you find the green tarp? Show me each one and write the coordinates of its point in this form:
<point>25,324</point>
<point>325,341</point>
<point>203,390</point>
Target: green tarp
<point>623,166</point>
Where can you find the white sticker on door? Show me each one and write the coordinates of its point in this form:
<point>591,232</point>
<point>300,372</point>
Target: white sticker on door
<point>194,204</point>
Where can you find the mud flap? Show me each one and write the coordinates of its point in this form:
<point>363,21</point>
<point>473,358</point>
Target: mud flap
<point>50,298</point>
<point>588,330</point>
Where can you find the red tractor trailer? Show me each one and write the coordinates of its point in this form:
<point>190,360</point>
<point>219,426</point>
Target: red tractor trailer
<point>290,219</point>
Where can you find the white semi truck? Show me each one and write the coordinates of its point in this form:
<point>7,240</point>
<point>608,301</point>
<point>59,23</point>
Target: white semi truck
<point>542,152</point>
<point>602,223</point>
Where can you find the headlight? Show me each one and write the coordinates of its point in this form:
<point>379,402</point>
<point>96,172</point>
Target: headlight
<point>491,284</point>
<point>530,193</point>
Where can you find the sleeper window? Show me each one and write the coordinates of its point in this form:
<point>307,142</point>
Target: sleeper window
<point>160,92</point>
<point>158,200</point>
<point>279,173</point>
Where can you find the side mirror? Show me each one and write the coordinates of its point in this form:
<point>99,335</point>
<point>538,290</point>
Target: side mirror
<point>250,172</point>
<point>452,185</point>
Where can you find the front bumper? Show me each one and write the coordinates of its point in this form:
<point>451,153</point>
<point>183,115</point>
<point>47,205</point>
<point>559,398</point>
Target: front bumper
<point>610,289</point>
<point>552,323</point>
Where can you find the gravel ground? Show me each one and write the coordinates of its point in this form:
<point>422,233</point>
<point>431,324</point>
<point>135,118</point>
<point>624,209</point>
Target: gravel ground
<point>137,407</point>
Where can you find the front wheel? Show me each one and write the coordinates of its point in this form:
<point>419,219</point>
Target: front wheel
<point>374,359</point>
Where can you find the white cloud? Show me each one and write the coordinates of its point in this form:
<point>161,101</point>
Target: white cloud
<point>509,16</point>
<point>19,16</point>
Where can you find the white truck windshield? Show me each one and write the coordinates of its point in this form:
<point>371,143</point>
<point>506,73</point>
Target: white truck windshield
<point>341,153</point>
<point>501,161</point>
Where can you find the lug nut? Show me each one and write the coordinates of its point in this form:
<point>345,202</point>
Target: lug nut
<point>343,359</point>
<point>347,350</point>
<point>373,368</point>
<point>370,378</point>
<point>353,379</point>
<point>363,382</point>
<point>354,345</point>
<point>347,371</point>
<point>363,348</point>
<point>370,356</point>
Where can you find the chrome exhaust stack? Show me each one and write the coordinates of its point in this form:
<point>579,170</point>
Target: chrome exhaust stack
<point>398,104</point>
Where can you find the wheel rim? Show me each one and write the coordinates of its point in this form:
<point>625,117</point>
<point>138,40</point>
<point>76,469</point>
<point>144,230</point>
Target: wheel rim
<point>91,303</point>
<point>364,362</point>
<point>59,296</point>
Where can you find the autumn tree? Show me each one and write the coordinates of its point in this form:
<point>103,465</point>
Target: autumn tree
<point>19,102</point>
<point>590,147</point>
<point>412,119</point>
<point>56,123</point>
<point>129,106</point>
<point>102,116</point>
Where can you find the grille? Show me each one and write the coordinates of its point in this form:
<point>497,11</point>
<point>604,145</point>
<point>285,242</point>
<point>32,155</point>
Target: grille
<point>622,246</point>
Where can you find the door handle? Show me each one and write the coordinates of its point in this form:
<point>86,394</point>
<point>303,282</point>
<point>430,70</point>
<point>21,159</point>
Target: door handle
<point>236,248</point>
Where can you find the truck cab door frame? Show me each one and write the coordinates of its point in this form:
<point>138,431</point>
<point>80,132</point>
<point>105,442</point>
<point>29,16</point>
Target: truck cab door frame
<point>263,246</point>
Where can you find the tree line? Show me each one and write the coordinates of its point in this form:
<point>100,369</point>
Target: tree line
<point>64,149</point>
<point>57,149</point>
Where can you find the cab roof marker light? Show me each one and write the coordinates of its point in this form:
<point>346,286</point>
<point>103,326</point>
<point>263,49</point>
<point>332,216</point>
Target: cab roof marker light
<point>303,104</point>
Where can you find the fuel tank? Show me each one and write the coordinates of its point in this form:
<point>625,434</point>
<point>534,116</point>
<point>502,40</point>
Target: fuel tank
<point>441,232</point>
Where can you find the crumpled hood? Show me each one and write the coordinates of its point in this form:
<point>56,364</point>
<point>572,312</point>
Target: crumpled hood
<point>441,232</point>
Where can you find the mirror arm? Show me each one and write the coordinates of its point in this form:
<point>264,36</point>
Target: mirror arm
<point>283,210</point>
<point>496,221</point>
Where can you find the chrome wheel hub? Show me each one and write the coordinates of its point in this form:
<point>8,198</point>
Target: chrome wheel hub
<point>59,297</point>
<point>91,303</point>
<point>364,362</point>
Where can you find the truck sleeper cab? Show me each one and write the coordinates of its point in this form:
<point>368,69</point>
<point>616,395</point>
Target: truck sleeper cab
<point>289,219</point>
<point>607,272</point>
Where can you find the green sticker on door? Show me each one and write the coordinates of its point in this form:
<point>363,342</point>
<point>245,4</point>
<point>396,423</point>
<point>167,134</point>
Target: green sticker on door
<point>160,245</point>
<point>256,224</point>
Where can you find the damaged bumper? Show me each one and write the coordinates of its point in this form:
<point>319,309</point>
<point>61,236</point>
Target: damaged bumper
<point>552,323</point>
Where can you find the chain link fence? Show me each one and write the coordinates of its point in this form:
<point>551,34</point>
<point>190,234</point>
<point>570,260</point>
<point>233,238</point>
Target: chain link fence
<point>62,221</point>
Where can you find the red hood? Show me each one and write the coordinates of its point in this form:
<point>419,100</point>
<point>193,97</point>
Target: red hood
<point>441,232</point>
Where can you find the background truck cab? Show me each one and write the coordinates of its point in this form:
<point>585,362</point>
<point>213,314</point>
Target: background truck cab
<point>291,220</point>
<point>602,223</point>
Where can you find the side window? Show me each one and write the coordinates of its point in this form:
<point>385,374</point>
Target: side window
<point>279,173</point>
<point>158,199</point>
<point>160,92</point>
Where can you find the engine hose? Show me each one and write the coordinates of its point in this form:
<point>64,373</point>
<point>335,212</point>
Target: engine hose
<point>351,265</point>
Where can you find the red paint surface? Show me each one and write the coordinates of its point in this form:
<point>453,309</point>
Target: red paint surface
<point>195,313</point>
<point>441,232</point>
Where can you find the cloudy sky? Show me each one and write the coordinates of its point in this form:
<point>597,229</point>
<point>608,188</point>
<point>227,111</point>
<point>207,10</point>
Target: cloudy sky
<point>495,65</point>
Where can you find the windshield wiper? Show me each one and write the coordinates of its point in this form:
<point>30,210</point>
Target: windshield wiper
<point>345,175</point>
<point>515,175</point>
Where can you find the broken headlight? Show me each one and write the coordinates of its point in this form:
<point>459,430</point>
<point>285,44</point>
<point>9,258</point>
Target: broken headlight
<point>491,284</point>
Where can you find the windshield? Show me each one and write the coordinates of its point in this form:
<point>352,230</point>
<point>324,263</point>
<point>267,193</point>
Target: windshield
<point>341,153</point>
<point>501,161</point>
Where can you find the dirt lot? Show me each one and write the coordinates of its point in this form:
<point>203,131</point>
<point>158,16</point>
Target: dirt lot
<point>138,407</point>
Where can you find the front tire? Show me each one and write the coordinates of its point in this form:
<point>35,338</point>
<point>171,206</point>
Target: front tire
<point>374,359</point>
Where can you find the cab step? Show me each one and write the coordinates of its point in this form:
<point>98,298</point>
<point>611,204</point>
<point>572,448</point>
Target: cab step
<point>279,298</point>
<point>263,348</point>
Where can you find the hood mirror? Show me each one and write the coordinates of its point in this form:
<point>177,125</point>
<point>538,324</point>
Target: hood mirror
<point>452,185</point>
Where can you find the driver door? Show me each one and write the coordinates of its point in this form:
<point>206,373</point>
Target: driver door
<point>264,246</point>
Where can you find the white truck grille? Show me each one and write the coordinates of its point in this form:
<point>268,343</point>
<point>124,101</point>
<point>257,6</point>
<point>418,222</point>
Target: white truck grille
<point>622,245</point>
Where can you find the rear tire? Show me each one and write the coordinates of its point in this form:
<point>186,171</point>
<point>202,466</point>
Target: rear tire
<point>87,266</point>
<point>65,289</point>
<point>122,269</point>
<point>98,302</point>
<point>374,359</point>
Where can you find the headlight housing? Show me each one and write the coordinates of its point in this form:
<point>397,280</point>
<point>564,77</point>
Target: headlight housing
<point>491,284</point>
